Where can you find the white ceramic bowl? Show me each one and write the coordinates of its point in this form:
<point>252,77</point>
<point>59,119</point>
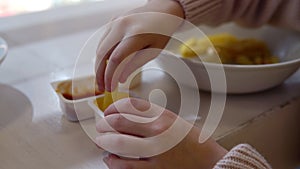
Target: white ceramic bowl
<point>249,78</point>
<point>3,49</point>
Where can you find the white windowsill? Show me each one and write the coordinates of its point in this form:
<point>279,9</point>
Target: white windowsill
<point>62,20</point>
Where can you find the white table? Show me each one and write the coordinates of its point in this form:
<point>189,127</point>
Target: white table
<point>35,134</point>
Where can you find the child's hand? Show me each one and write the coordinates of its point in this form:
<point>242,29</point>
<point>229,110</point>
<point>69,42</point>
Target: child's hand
<point>158,136</point>
<point>127,37</point>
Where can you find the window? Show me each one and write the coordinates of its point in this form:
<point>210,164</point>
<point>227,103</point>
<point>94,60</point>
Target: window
<point>16,7</point>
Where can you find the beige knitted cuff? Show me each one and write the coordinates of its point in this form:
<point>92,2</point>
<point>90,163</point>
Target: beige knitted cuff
<point>202,11</point>
<point>242,156</point>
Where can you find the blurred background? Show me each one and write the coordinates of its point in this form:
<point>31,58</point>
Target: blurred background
<point>16,7</point>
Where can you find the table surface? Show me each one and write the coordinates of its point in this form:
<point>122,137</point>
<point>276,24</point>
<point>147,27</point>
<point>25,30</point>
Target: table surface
<point>34,133</point>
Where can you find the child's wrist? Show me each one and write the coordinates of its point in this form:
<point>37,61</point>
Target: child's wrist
<point>210,152</point>
<point>172,7</point>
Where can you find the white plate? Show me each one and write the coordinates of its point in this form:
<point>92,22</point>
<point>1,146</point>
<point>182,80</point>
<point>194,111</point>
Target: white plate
<point>13,105</point>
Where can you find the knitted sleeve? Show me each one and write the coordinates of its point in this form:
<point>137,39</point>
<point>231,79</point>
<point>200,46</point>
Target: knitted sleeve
<point>242,156</point>
<point>251,13</point>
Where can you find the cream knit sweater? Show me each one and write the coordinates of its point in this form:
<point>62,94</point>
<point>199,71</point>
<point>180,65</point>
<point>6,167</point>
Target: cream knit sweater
<point>251,13</point>
<point>242,156</point>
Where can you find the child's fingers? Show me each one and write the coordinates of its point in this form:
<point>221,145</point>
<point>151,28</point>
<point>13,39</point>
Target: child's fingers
<point>139,59</point>
<point>106,46</point>
<point>100,67</point>
<point>122,124</point>
<point>124,145</point>
<point>153,49</point>
<point>162,137</point>
<point>116,65</point>
<point>134,106</point>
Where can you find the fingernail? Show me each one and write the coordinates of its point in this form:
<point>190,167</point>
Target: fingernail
<point>122,79</point>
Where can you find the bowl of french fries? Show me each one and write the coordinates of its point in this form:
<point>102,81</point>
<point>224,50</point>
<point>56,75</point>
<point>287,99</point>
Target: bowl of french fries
<point>252,60</point>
